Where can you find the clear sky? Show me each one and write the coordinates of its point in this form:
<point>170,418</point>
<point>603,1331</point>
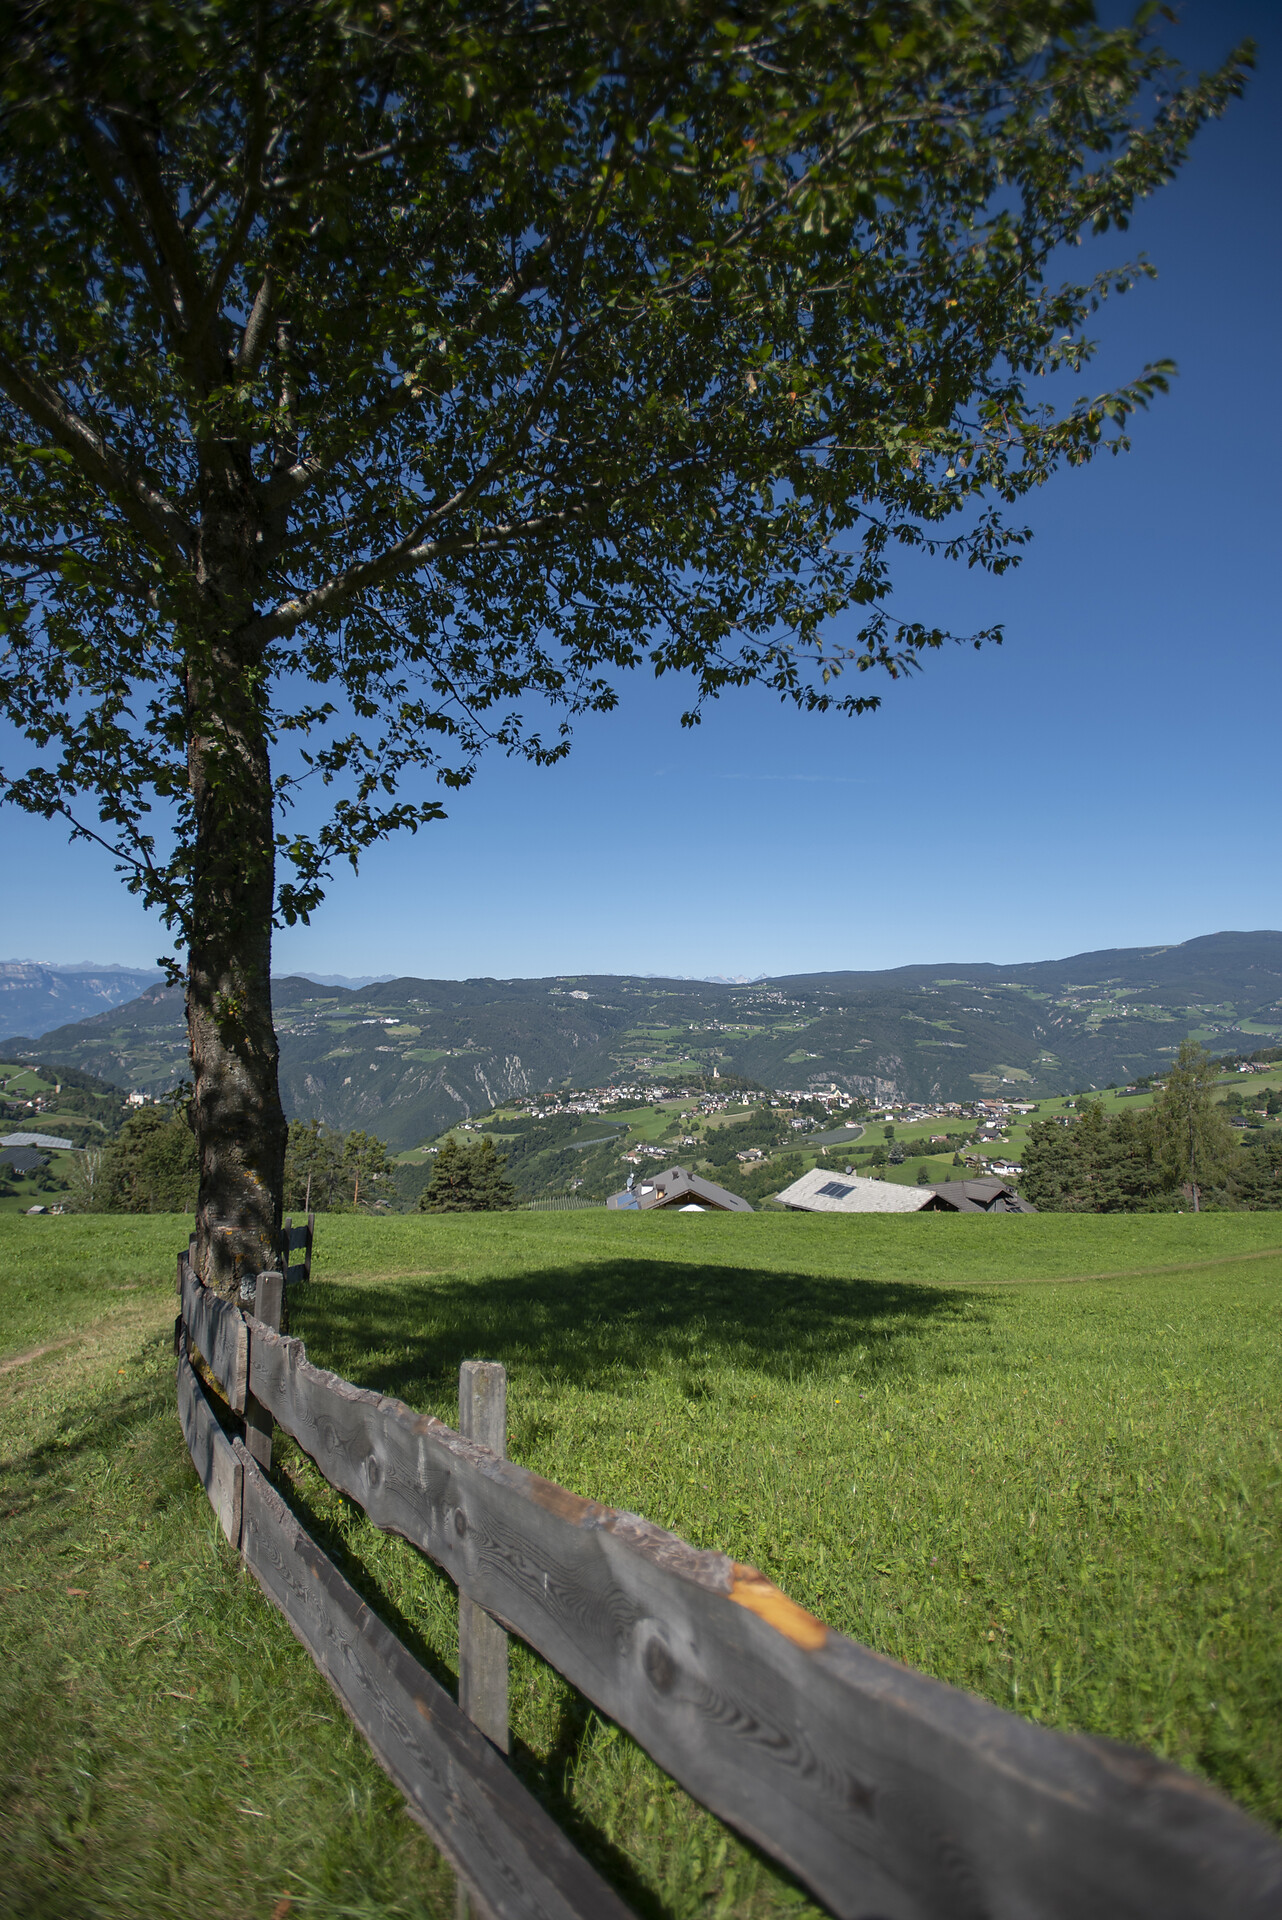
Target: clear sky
<point>1108,777</point>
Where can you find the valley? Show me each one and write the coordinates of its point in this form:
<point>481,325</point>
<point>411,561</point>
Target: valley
<point>406,1058</point>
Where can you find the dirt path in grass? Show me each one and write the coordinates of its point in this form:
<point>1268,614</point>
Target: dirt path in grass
<point>135,1314</point>
<point>1116,1273</point>
<point>36,1353</point>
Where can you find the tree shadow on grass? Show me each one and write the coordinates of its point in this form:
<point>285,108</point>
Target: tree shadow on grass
<point>605,1324</point>
<point>608,1325</point>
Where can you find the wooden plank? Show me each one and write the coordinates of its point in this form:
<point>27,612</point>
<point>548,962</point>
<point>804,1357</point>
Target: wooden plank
<point>211,1451</point>
<point>482,1643</point>
<point>888,1793</point>
<point>485,1822</point>
<point>217,1331</point>
<point>269,1299</point>
<point>292,1240</point>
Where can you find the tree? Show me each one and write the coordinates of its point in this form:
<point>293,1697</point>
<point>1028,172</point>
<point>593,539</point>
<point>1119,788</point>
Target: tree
<point>491,1191</point>
<point>1252,1180</point>
<point>1193,1137</point>
<point>82,1182</point>
<point>380,381</point>
<point>327,1171</point>
<point>1096,1164</point>
<point>367,1169</point>
<point>150,1166</point>
<point>467,1180</point>
<point>313,1167</point>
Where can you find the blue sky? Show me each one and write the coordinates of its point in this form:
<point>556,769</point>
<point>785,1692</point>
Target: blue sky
<point>1106,778</point>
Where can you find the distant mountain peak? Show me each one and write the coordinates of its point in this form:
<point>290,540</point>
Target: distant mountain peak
<point>711,979</point>
<point>352,980</point>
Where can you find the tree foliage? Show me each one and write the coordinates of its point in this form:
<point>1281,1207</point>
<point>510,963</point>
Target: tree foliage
<point>468,1179</point>
<point>1097,1163</point>
<point>520,346</point>
<point>1192,1135</point>
<point>1130,1162</point>
<point>327,1171</point>
<point>381,381</point>
<point>150,1166</point>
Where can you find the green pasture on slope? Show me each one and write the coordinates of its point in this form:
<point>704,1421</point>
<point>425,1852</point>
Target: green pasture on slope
<point>1037,1456</point>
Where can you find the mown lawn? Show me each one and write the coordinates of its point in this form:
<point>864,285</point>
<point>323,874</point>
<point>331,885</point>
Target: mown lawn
<point>1036,1456</point>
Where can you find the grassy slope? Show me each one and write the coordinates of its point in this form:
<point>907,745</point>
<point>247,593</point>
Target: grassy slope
<point>1064,1496</point>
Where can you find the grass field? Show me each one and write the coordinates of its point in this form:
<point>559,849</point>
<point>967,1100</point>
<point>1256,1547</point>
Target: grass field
<point>1037,1456</point>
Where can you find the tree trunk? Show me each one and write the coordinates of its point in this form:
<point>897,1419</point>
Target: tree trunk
<point>237,1115</point>
<point>240,1126</point>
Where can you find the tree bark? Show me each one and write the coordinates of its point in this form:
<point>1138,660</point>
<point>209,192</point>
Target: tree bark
<point>239,1123</point>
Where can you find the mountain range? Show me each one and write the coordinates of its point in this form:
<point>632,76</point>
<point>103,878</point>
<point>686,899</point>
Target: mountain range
<point>406,1057</point>
<point>35,996</point>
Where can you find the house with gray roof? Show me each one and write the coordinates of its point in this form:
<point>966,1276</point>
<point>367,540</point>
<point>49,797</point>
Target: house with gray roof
<point>687,1192</point>
<point>823,1191</point>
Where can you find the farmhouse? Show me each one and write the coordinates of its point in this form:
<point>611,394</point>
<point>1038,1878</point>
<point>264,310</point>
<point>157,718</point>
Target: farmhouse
<point>980,1196</point>
<point>684,1191</point>
<point>822,1191</point>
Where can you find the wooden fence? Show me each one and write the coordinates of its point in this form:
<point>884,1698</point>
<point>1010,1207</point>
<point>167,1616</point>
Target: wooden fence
<point>890,1795</point>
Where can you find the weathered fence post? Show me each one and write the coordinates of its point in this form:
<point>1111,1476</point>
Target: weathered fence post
<point>482,1643</point>
<point>482,1649</point>
<point>269,1296</point>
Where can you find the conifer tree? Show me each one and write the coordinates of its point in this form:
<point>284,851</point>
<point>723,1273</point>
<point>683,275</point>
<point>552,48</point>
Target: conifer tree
<point>1193,1135</point>
<point>467,1180</point>
<point>492,1191</point>
<point>450,1188</point>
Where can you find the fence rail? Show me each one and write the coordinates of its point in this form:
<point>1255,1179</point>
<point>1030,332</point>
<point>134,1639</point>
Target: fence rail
<point>886,1792</point>
<point>513,1857</point>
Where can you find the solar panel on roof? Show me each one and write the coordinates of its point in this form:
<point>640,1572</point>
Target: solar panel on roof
<point>835,1190</point>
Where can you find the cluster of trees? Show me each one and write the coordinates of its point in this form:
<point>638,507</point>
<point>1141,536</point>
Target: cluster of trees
<point>327,1171</point>
<point>1264,1101</point>
<point>468,1179</point>
<point>151,1167</point>
<point>720,1146</point>
<point>1179,1153</point>
<point>760,1181</point>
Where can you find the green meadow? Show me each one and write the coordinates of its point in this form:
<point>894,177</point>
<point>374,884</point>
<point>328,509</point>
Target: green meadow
<point>1037,1456</point>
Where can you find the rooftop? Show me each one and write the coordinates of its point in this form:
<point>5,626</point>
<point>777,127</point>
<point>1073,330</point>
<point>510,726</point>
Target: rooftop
<point>823,1191</point>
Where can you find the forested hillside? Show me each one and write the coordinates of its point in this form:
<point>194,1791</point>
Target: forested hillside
<point>409,1056</point>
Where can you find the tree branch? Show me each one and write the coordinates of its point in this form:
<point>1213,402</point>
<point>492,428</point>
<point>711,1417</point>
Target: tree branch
<point>162,291</point>
<point>145,507</point>
<point>405,557</point>
<point>176,251</point>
